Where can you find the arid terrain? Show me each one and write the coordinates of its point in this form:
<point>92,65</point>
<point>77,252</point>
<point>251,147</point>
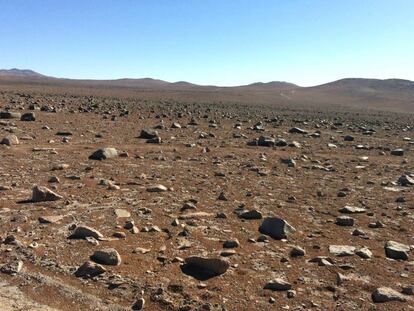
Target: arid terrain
<point>134,195</point>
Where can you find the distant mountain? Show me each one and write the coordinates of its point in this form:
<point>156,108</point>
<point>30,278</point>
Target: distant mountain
<point>388,94</point>
<point>272,84</point>
<point>369,85</point>
<point>14,72</point>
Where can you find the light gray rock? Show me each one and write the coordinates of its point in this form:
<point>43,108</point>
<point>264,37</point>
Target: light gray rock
<point>364,252</point>
<point>352,210</point>
<point>157,188</point>
<point>341,250</point>
<point>122,213</point>
<point>386,294</point>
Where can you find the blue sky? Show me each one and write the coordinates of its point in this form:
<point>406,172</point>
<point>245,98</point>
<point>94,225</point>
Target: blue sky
<point>221,42</point>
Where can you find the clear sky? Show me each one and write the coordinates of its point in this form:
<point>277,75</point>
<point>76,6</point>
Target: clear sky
<point>221,42</point>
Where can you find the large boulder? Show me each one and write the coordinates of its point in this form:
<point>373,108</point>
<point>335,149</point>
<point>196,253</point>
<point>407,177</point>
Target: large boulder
<point>107,256</point>
<point>276,227</point>
<point>395,250</point>
<point>209,267</point>
<point>103,154</point>
<point>386,294</point>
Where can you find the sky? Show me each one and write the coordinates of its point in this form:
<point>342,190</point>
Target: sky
<point>219,42</point>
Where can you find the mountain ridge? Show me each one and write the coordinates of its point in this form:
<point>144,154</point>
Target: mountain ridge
<point>151,82</point>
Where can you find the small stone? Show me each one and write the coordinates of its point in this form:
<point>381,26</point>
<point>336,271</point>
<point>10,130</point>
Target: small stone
<point>81,232</point>
<point>54,179</point>
<point>122,213</point>
<point>157,188</point>
<point>228,252</point>
<point>341,250</point>
<point>10,140</point>
<point>50,219</point>
<point>139,304</point>
<point>297,251</point>
<point>291,293</point>
<point>29,116</point>
<point>12,268</point>
<point>397,152</point>
<point>10,115</point>
<point>89,269</point>
<point>345,221</point>
<point>364,253</point>
<point>148,134</point>
<point>231,243</point>
<point>278,285</point>
<point>129,224</point>
<point>352,210</point>
<point>249,215</point>
<point>322,261</point>
<point>119,235</point>
<point>141,250</point>
<point>406,180</point>
<point>408,291</point>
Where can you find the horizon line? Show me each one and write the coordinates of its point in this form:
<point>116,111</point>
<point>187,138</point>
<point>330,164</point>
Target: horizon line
<point>195,84</point>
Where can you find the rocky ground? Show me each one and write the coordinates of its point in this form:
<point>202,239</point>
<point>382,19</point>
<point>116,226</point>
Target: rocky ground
<point>120,204</point>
